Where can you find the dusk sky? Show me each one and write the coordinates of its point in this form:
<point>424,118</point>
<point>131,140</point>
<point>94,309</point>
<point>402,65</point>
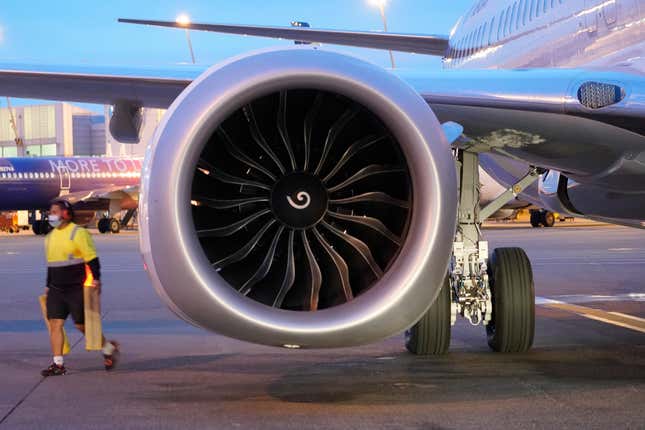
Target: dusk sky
<point>82,32</point>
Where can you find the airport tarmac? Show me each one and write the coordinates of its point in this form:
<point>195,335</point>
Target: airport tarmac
<point>587,369</point>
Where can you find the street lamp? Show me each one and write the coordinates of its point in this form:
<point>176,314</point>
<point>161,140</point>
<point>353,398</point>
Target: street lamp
<point>380,4</point>
<point>184,21</point>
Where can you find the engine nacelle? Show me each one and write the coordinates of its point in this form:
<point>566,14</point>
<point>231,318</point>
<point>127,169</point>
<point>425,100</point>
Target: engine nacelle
<point>298,198</point>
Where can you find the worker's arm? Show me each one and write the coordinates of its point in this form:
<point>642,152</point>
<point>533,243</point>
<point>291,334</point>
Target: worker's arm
<point>85,244</point>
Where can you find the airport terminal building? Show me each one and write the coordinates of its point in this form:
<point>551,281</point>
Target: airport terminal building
<point>52,129</point>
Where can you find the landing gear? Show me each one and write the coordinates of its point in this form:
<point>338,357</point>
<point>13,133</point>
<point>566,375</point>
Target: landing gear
<point>513,321</point>
<point>431,334</point>
<point>109,225</point>
<point>542,218</point>
<point>499,296</point>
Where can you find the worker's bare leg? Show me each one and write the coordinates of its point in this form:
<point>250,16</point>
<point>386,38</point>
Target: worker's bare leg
<point>56,336</point>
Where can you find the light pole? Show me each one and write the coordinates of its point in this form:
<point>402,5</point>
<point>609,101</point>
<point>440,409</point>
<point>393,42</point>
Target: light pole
<point>184,21</point>
<point>380,4</point>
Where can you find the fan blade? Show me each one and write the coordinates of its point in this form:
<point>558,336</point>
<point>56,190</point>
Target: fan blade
<point>372,223</point>
<point>371,197</point>
<point>315,277</point>
<point>333,134</point>
<point>309,126</point>
<point>215,173</point>
<point>289,274</point>
<point>264,268</point>
<point>244,251</point>
<point>354,149</point>
<point>259,138</point>
<point>241,156</point>
<point>360,247</point>
<point>232,228</point>
<point>228,203</point>
<point>282,128</point>
<point>339,264</point>
<point>371,170</point>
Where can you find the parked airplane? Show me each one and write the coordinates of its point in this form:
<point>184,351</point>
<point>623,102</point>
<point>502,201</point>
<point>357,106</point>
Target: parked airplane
<point>90,184</point>
<point>303,198</point>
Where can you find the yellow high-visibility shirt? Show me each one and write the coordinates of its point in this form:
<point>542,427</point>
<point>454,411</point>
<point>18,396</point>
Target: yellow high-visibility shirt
<point>68,246</point>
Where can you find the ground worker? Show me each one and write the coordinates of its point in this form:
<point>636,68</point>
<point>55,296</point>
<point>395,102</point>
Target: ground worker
<point>68,248</point>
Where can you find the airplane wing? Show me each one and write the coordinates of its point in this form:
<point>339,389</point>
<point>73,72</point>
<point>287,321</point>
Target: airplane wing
<point>545,117</point>
<point>415,43</point>
<point>107,193</point>
<point>154,88</point>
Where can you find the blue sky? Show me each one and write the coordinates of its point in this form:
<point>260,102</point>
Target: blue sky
<point>83,32</point>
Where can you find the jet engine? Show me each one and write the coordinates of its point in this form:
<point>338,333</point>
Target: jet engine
<point>298,198</point>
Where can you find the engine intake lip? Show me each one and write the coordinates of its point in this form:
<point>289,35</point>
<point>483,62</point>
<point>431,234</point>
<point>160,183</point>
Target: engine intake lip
<point>169,241</point>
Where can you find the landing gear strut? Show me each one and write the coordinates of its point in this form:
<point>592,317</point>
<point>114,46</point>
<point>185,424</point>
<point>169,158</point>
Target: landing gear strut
<point>496,293</point>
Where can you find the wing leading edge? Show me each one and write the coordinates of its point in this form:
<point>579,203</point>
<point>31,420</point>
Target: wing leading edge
<point>415,43</point>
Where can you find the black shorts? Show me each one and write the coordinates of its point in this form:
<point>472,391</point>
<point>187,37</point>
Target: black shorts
<point>62,302</point>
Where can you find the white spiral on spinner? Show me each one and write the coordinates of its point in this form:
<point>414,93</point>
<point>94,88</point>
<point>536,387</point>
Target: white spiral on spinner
<point>303,200</point>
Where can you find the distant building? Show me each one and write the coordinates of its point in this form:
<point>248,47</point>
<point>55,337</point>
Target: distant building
<point>53,129</point>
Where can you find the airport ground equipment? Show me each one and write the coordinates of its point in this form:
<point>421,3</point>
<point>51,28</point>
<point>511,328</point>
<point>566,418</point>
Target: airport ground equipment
<point>542,218</point>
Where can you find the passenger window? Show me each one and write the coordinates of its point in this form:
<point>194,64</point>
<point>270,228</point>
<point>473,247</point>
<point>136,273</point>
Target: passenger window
<point>499,26</point>
<point>490,31</point>
<point>482,42</point>
<point>510,21</point>
<point>537,8</point>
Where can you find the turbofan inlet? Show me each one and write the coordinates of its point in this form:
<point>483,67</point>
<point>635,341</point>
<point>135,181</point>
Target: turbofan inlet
<point>299,198</point>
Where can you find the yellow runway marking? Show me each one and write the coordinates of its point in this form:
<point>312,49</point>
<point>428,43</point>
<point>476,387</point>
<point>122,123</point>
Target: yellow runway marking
<point>631,317</point>
<point>614,318</point>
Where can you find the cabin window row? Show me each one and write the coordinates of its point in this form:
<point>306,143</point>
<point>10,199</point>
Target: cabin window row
<point>74,175</point>
<point>501,26</point>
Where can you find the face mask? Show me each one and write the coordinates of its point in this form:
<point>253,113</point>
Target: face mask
<point>54,220</point>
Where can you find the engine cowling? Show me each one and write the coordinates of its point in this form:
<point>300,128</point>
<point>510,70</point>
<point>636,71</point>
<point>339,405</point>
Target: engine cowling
<point>298,198</point>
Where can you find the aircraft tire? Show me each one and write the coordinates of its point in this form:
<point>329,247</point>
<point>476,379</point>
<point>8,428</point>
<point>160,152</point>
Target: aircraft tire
<point>548,219</point>
<point>431,334</point>
<point>512,325</point>
<point>535,219</point>
<point>45,228</point>
<point>36,228</point>
<point>114,225</point>
<point>103,226</point>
